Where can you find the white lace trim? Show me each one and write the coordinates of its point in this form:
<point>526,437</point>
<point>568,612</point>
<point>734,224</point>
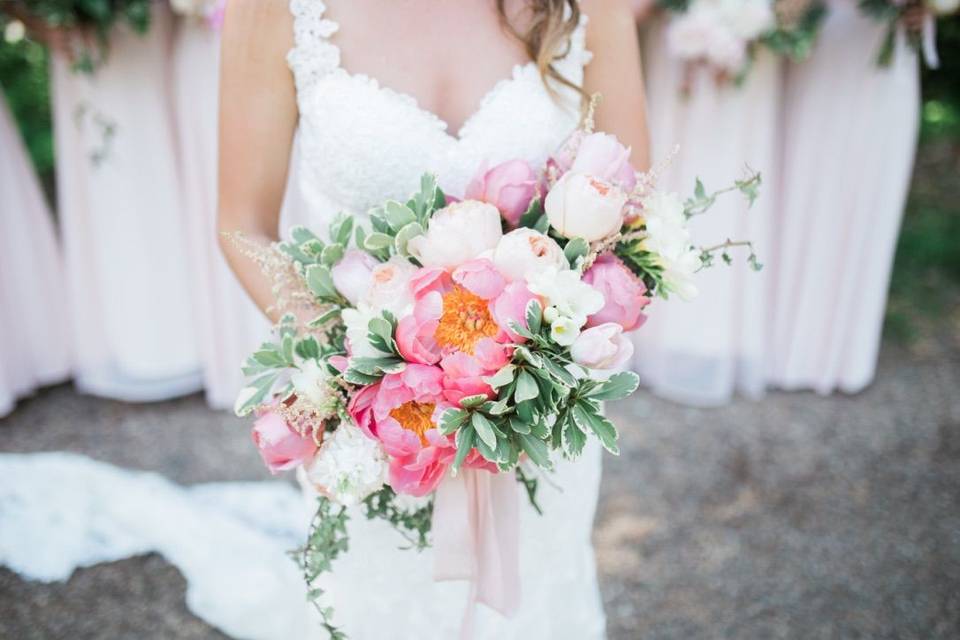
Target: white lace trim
<point>313,56</point>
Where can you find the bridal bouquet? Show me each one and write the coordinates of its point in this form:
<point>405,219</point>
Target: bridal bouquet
<point>469,339</point>
<point>917,18</point>
<point>725,35</point>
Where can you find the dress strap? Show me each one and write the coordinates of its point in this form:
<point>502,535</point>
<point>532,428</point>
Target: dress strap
<point>313,56</point>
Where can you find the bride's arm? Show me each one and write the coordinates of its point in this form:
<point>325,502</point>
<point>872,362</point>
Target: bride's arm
<point>258,118</point>
<point>615,74</point>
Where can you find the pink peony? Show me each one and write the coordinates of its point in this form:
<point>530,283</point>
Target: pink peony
<point>509,187</point>
<point>480,277</point>
<point>353,275</point>
<point>603,350</point>
<point>280,446</point>
<point>511,306</point>
<point>602,156</point>
<point>623,294</point>
<point>415,332</point>
<point>463,372</point>
<point>360,409</point>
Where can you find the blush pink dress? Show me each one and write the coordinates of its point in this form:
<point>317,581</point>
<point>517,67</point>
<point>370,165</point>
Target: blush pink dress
<point>34,349</point>
<point>704,351</point>
<point>123,226</point>
<point>849,134</point>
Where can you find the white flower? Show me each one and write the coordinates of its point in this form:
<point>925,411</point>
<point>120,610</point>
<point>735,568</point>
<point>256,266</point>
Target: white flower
<point>669,239</point>
<point>944,7</point>
<point>457,233</point>
<point>349,466</point>
<point>390,286</point>
<point>603,350</point>
<point>410,504</point>
<point>357,324</point>
<point>525,251</point>
<point>584,206</point>
<point>312,383</point>
<point>689,35</point>
<point>748,19</point>
<point>14,32</point>
<point>564,331</point>
<point>570,297</point>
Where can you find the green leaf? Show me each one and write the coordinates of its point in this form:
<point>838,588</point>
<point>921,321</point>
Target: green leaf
<point>308,348</point>
<point>503,377</point>
<point>519,426</point>
<point>360,236</point>
<point>526,388</point>
<point>320,282</point>
<point>619,386</point>
<point>465,439</point>
<point>324,317</point>
<point>342,229</point>
<point>452,419</point>
<point>528,356</point>
<point>377,241</point>
<point>353,376</point>
<point>575,249</point>
<point>574,438</point>
<point>470,402</point>
<point>397,215</point>
<point>537,450</point>
<point>405,235</point>
<point>302,235</point>
<point>542,225</point>
<point>375,366</point>
<point>331,254</point>
<point>587,417</point>
<point>534,315</point>
<point>533,213</point>
<point>287,347</point>
<point>484,429</point>
<point>269,357</point>
<point>559,373</point>
<point>254,394</point>
<point>540,430</point>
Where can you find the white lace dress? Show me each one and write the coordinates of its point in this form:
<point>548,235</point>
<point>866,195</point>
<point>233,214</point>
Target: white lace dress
<point>360,144</point>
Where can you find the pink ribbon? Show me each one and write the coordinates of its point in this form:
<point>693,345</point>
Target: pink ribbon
<point>476,535</point>
<point>929,41</point>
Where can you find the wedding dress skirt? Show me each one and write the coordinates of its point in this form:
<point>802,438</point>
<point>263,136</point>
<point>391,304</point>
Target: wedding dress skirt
<point>702,352</point>
<point>34,349</point>
<point>850,130</point>
<point>228,325</point>
<point>127,270</point>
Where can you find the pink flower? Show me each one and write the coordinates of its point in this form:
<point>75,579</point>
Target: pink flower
<point>360,409</point>
<point>415,332</point>
<point>623,294</point>
<point>509,187</point>
<point>280,446</point>
<point>603,350</point>
<point>463,373</point>
<point>480,277</point>
<point>511,306</point>
<point>353,275</point>
<point>601,155</point>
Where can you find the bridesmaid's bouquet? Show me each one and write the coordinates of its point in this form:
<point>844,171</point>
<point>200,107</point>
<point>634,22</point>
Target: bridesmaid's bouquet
<point>91,21</point>
<point>469,339</point>
<point>725,35</point>
<point>916,18</point>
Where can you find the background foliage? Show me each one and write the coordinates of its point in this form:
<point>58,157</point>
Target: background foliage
<point>926,281</point>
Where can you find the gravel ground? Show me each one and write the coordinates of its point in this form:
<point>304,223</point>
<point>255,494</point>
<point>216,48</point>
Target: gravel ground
<point>792,517</point>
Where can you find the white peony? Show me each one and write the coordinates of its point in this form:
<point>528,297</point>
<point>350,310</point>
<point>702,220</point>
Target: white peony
<point>390,286</point>
<point>525,251</point>
<point>569,301</point>
<point>311,382</point>
<point>604,350</point>
<point>583,206</point>
<point>669,238</point>
<point>457,233</point>
<point>349,466</point>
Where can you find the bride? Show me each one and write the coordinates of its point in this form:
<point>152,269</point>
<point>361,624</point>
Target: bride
<point>378,93</point>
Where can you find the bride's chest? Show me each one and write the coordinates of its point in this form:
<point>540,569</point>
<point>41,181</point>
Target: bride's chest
<point>362,143</point>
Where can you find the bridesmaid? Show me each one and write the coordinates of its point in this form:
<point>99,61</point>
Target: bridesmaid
<point>34,350</point>
<point>228,324</point>
<point>128,276</point>
<point>702,352</point>
<point>850,131</point>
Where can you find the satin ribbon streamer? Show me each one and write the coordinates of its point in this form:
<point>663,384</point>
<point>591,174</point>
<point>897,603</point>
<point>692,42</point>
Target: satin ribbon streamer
<point>476,535</point>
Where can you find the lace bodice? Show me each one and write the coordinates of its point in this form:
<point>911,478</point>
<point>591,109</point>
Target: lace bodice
<point>361,143</point>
